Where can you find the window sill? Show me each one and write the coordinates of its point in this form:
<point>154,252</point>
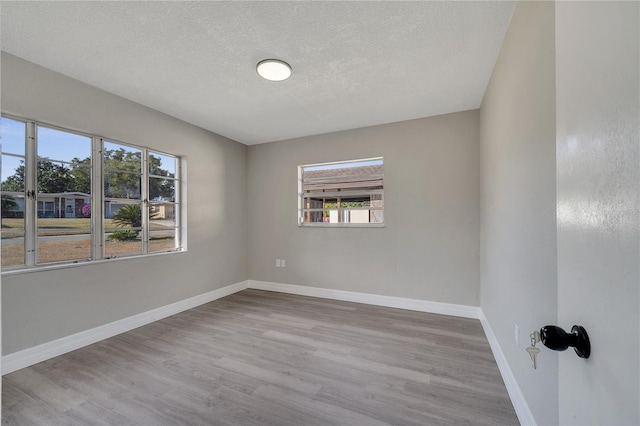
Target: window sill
<point>341,225</point>
<point>54,266</point>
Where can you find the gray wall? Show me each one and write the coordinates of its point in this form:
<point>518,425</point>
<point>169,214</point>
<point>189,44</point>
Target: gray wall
<point>598,144</point>
<point>43,306</point>
<point>518,204</point>
<point>429,247</point>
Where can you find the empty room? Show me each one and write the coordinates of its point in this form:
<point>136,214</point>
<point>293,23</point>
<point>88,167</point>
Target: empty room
<point>320,212</point>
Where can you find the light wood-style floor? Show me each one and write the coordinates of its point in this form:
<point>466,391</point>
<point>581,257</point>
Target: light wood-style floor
<point>263,358</point>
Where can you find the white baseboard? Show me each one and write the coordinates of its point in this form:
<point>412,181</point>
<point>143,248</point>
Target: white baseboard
<point>515,394</point>
<point>371,299</point>
<point>45,351</point>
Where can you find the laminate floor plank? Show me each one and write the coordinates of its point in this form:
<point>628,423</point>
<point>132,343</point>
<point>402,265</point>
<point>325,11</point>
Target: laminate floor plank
<point>327,414</point>
<point>266,358</point>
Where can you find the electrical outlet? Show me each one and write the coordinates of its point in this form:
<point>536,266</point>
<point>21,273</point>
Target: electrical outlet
<point>282,263</point>
<point>517,336</point>
<point>277,263</point>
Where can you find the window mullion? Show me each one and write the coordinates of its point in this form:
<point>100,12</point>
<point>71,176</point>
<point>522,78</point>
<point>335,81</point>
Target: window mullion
<point>31,189</point>
<point>97,199</point>
<point>144,190</point>
<point>178,206</point>
<point>301,203</point>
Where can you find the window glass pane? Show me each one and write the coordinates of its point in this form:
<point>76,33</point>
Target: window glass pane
<point>12,242</point>
<point>124,216</point>
<point>360,216</point>
<point>80,175</point>
<point>376,215</point>
<point>122,158</point>
<point>64,165</point>
<point>122,185</point>
<point>162,214</point>
<point>63,243</point>
<point>12,229</point>
<point>162,189</point>
<point>54,177</point>
<point>359,202</point>
<point>123,228</point>
<point>62,146</point>
<point>162,227</point>
<point>122,243</point>
<point>12,210</point>
<point>314,216</point>
<point>162,165</point>
<point>12,173</point>
<point>68,187</point>
<point>162,240</point>
<point>12,136</point>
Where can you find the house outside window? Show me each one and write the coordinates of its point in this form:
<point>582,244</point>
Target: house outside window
<point>343,194</point>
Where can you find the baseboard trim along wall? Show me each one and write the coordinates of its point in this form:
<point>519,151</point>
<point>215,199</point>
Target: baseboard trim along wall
<point>515,394</point>
<point>371,299</point>
<point>45,351</point>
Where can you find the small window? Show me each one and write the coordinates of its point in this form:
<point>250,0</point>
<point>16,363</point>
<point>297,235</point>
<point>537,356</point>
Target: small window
<point>346,193</point>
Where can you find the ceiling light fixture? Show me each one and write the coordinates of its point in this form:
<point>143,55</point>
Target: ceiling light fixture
<point>273,69</point>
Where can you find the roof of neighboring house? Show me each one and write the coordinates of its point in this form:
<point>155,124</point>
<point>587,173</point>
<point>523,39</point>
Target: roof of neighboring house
<point>50,194</point>
<point>344,178</point>
<point>64,194</point>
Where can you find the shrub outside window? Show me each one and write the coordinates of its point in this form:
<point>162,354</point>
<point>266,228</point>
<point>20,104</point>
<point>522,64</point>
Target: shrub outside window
<point>346,193</point>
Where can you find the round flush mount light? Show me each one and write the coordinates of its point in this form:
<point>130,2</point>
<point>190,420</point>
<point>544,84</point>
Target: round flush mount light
<point>273,69</point>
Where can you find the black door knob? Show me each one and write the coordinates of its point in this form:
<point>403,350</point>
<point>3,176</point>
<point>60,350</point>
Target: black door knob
<point>557,339</point>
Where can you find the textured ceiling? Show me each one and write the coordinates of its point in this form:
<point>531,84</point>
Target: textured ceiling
<point>354,64</point>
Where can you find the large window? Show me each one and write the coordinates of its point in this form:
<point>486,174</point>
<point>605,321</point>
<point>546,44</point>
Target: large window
<point>346,193</point>
<point>71,197</point>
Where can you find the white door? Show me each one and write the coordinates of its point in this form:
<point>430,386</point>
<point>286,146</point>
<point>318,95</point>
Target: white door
<point>69,208</point>
<point>598,144</point>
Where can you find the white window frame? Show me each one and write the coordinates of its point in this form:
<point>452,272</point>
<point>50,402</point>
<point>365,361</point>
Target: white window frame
<point>302,209</point>
<point>97,200</point>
